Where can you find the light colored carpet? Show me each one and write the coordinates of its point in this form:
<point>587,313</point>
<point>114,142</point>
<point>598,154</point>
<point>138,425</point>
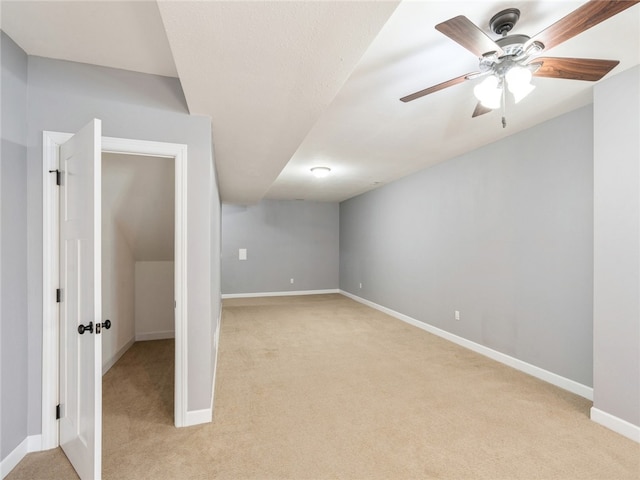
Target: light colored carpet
<point>321,387</point>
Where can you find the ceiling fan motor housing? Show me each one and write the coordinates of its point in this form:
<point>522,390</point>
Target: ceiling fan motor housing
<point>504,21</point>
<point>513,44</point>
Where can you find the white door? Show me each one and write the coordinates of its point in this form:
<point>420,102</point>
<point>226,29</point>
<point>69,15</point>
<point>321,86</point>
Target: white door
<point>80,280</point>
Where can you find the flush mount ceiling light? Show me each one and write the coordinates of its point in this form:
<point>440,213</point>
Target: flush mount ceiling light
<point>320,172</point>
<point>509,62</point>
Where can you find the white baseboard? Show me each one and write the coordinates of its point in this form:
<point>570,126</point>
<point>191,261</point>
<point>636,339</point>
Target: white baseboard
<point>616,424</point>
<point>162,335</point>
<point>197,417</point>
<point>550,377</point>
<point>279,294</point>
<point>32,443</point>
<point>14,458</point>
<point>112,361</point>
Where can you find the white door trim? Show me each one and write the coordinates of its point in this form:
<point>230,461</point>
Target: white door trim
<point>51,142</point>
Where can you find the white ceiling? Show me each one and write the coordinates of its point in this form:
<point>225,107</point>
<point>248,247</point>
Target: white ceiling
<point>291,85</point>
<point>120,34</point>
<point>265,72</point>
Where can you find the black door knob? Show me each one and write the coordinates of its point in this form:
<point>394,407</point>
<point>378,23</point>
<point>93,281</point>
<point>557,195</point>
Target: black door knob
<point>85,328</point>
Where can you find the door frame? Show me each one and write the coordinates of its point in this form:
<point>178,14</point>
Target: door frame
<point>51,142</point>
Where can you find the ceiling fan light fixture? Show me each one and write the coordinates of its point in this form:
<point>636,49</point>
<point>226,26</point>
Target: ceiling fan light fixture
<point>519,82</point>
<point>517,76</point>
<point>488,92</point>
<point>320,172</point>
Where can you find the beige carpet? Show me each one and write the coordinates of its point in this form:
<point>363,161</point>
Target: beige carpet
<point>321,387</point>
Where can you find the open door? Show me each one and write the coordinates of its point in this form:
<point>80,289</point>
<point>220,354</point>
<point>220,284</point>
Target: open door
<point>80,391</point>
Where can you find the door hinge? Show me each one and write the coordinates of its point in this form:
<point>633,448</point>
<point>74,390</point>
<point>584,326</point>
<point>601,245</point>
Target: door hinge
<point>57,175</point>
<point>58,412</point>
<point>58,295</point>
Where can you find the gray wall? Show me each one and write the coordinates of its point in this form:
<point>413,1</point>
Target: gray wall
<point>284,239</point>
<point>13,248</point>
<point>63,96</point>
<point>616,373</point>
<point>503,234</point>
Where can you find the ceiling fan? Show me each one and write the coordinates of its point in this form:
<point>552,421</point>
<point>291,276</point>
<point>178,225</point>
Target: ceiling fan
<point>509,62</point>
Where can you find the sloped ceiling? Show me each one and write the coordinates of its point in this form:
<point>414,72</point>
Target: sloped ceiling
<point>138,199</point>
<point>291,85</point>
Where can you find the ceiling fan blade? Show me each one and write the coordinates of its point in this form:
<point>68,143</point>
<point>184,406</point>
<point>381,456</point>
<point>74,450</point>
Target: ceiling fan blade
<point>463,31</point>
<point>440,86</point>
<point>587,69</point>
<point>581,19</point>
<point>480,110</point>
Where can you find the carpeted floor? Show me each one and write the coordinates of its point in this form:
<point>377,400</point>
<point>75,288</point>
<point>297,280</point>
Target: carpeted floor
<point>320,387</point>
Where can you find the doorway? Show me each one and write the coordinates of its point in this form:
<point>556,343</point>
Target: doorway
<point>50,352</point>
<point>138,231</point>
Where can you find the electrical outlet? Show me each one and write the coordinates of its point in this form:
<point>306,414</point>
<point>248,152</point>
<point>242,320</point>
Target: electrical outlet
<point>456,314</point>
<point>360,285</point>
<point>291,281</point>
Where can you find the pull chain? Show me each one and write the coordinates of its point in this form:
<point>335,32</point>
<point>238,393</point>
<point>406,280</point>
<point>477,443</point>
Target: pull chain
<point>504,106</point>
